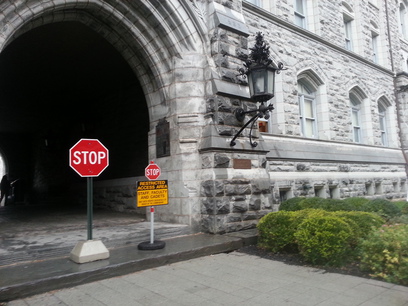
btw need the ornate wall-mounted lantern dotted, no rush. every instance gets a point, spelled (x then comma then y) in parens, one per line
(260, 71)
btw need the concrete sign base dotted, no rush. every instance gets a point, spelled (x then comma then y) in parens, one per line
(90, 250)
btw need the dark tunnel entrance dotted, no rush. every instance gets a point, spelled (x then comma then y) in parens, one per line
(59, 83)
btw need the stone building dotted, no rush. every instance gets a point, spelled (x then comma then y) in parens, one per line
(158, 80)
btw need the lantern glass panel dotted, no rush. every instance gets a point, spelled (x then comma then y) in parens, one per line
(271, 81)
(259, 81)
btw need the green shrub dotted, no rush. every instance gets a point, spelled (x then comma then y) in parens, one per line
(299, 203)
(324, 239)
(383, 207)
(315, 203)
(403, 219)
(403, 206)
(276, 230)
(355, 203)
(365, 221)
(311, 213)
(291, 204)
(384, 253)
(339, 205)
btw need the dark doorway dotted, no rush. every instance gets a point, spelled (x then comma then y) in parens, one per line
(59, 83)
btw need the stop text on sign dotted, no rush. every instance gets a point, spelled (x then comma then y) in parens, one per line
(152, 172)
(88, 157)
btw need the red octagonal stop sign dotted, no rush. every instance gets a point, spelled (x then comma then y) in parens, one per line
(88, 157)
(152, 171)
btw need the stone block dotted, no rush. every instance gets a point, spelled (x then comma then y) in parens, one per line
(261, 186)
(212, 188)
(231, 190)
(239, 206)
(254, 203)
(221, 161)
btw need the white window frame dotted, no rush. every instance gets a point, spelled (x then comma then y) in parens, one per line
(383, 121)
(348, 32)
(305, 94)
(300, 13)
(255, 2)
(355, 108)
(402, 17)
(374, 46)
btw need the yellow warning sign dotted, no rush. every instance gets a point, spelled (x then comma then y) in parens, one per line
(152, 193)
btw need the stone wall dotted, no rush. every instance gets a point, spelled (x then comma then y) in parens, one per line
(337, 180)
(238, 195)
(330, 165)
(118, 195)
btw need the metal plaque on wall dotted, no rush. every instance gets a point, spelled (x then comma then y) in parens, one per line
(162, 138)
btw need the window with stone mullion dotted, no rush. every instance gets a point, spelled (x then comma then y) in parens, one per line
(355, 120)
(348, 35)
(307, 104)
(374, 46)
(300, 13)
(383, 124)
(403, 19)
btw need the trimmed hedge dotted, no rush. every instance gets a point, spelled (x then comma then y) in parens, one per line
(383, 207)
(300, 203)
(324, 239)
(276, 230)
(403, 206)
(291, 204)
(356, 202)
(365, 221)
(312, 231)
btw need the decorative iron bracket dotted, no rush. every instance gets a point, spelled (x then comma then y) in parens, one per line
(262, 112)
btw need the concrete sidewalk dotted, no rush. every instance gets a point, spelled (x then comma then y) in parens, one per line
(36, 243)
(33, 277)
(228, 279)
(34, 259)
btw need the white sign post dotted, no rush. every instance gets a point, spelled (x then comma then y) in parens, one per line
(152, 172)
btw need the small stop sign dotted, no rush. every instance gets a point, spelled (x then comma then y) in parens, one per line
(152, 171)
(89, 157)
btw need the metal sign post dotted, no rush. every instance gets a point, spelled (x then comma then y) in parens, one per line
(89, 189)
(89, 157)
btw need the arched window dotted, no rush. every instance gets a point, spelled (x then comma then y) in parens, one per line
(314, 113)
(307, 105)
(403, 19)
(355, 107)
(375, 38)
(348, 26)
(382, 114)
(386, 128)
